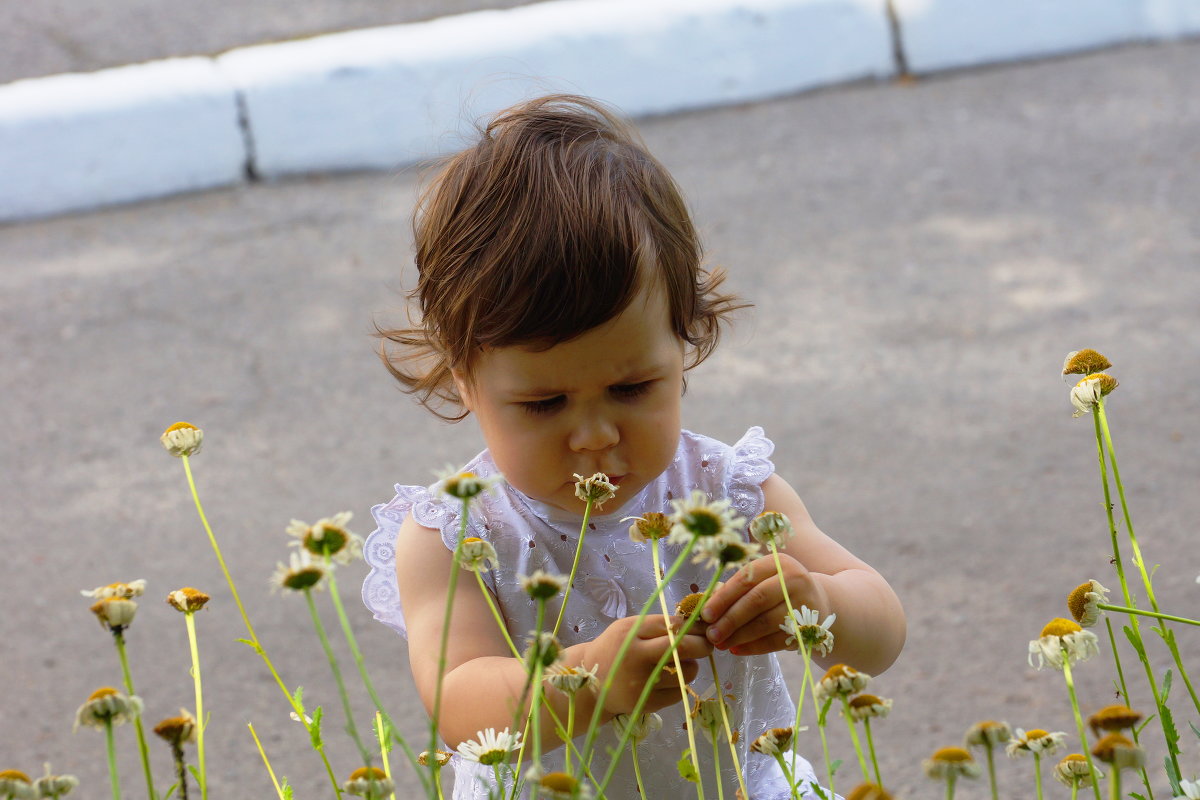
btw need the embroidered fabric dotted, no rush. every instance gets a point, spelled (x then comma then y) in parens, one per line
(614, 579)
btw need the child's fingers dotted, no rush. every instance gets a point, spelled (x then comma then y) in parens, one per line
(732, 590)
(764, 625)
(767, 644)
(655, 626)
(756, 601)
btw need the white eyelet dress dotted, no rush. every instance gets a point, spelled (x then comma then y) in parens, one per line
(614, 579)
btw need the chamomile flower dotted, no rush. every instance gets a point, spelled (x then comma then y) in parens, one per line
(107, 706)
(187, 600)
(1087, 393)
(115, 613)
(950, 762)
(687, 606)
(1118, 752)
(560, 786)
(597, 489)
(803, 625)
(1190, 789)
(645, 725)
(988, 733)
(16, 785)
(1113, 718)
(727, 551)
(649, 527)
(868, 706)
(771, 526)
(707, 708)
(440, 756)
(51, 785)
(369, 782)
(182, 439)
(869, 791)
(774, 741)
(542, 585)
(841, 680)
(696, 516)
(1082, 602)
(1084, 362)
(176, 731)
(328, 536)
(126, 590)
(490, 748)
(463, 485)
(299, 574)
(571, 679)
(544, 646)
(1035, 741)
(1073, 770)
(1062, 639)
(477, 555)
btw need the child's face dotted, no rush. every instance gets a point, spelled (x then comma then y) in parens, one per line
(607, 401)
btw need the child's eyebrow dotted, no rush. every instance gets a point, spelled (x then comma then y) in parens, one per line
(638, 375)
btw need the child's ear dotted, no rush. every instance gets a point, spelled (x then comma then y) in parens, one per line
(462, 385)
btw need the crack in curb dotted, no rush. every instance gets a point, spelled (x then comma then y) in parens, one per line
(250, 168)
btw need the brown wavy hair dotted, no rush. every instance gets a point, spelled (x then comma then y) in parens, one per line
(545, 228)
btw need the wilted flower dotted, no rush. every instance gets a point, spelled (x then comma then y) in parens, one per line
(126, 590)
(1113, 718)
(328, 537)
(107, 706)
(1190, 789)
(177, 730)
(182, 439)
(649, 527)
(1084, 362)
(50, 785)
(687, 606)
(559, 786)
(1082, 602)
(299, 574)
(571, 679)
(988, 733)
(477, 555)
(1035, 741)
(696, 516)
(1087, 393)
(463, 485)
(1073, 770)
(841, 680)
(1062, 639)
(440, 756)
(596, 489)
(869, 791)
(16, 785)
(114, 613)
(1116, 750)
(707, 708)
(542, 585)
(771, 526)
(723, 552)
(868, 706)
(187, 600)
(370, 782)
(803, 626)
(543, 644)
(774, 741)
(490, 747)
(646, 724)
(950, 762)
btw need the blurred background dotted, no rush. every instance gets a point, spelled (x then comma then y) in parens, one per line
(921, 254)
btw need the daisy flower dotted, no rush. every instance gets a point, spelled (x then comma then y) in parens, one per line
(869, 791)
(727, 551)
(115, 613)
(328, 537)
(1084, 362)
(490, 748)
(545, 645)
(988, 733)
(1035, 741)
(649, 527)
(16, 785)
(1118, 751)
(440, 756)
(542, 585)
(771, 526)
(107, 706)
(177, 731)
(1073, 770)
(775, 741)
(187, 600)
(707, 708)
(596, 489)
(300, 573)
(1191, 790)
(370, 782)
(1113, 718)
(841, 680)
(1062, 639)
(687, 606)
(696, 516)
(559, 786)
(950, 762)
(478, 555)
(1087, 393)
(50, 785)
(803, 625)
(126, 590)
(645, 725)
(182, 439)
(571, 679)
(463, 485)
(1082, 602)
(868, 706)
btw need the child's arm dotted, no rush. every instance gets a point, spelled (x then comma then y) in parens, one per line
(483, 681)
(746, 612)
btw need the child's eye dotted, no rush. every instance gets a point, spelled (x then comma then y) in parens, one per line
(545, 406)
(629, 391)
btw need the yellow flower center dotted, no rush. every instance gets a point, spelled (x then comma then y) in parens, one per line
(14, 775)
(1113, 718)
(703, 522)
(179, 426)
(1074, 757)
(864, 700)
(472, 540)
(102, 692)
(1085, 362)
(688, 604)
(868, 791)
(1036, 733)
(1107, 747)
(1060, 627)
(952, 755)
(1077, 600)
(840, 671)
(559, 782)
(368, 773)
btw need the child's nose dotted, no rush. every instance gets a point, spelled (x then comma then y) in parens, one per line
(594, 434)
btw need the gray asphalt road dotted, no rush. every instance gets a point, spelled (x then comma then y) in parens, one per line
(52, 36)
(921, 257)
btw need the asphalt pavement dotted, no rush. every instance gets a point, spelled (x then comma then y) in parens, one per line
(921, 257)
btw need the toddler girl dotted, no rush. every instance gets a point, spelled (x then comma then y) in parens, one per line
(562, 301)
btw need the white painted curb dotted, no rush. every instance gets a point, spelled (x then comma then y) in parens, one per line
(71, 142)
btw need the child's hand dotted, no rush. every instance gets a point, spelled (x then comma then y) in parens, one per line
(639, 662)
(745, 613)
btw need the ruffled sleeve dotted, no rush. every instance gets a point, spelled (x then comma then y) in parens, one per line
(749, 466)
(380, 592)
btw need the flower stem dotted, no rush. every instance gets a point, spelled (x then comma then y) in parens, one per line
(351, 728)
(587, 512)
(862, 761)
(1066, 665)
(385, 743)
(189, 619)
(1114, 784)
(822, 721)
(737, 766)
(119, 639)
(434, 767)
(950, 787)
(991, 759)
(570, 730)
(180, 770)
(787, 773)
(683, 694)
(266, 763)
(496, 615)
(875, 763)
(253, 641)
(1155, 614)
(1112, 642)
(113, 780)
(637, 771)
(1037, 773)
(716, 757)
(787, 601)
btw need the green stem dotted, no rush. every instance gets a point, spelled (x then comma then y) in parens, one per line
(716, 758)
(253, 641)
(1037, 773)
(180, 770)
(1087, 753)
(119, 639)
(587, 512)
(570, 730)
(822, 721)
(113, 780)
(737, 765)
(1114, 783)
(950, 787)
(266, 762)
(787, 773)
(444, 644)
(1112, 643)
(384, 746)
(875, 763)
(351, 728)
(496, 616)
(1155, 614)
(991, 761)
(805, 680)
(189, 618)
(637, 771)
(787, 601)
(1167, 635)
(862, 761)
(683, 694)
(535, 704)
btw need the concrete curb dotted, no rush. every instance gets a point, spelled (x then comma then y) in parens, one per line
(383, 97)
